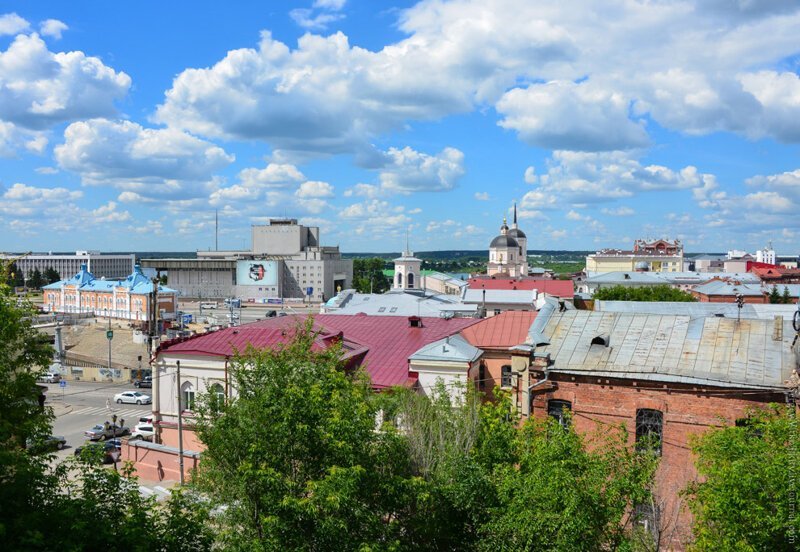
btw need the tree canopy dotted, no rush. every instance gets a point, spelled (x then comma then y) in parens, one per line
(746, 500)
(298, 461)
(647, 293)
(368, 275)
(76, 504)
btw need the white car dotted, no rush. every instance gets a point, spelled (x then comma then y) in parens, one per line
(132, 397)
(143, 432)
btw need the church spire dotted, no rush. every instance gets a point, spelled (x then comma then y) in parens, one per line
(515, 215)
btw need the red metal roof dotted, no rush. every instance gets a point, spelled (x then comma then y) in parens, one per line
(558, 288)
(388, 340)
(504, 330)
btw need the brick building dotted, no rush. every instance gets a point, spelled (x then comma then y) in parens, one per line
(664, 376)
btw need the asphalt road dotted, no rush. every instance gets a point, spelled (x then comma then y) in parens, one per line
(84, 405)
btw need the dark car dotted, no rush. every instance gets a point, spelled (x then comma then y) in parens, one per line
(108, 451)
(51, 442)
(147, 381)
(270, 314)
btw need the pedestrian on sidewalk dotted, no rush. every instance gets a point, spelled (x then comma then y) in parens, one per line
(108, 404)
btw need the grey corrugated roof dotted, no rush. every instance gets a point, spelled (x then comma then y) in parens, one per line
(697, 310)
(507, 296)
(450, 349)
(718, 287)
(399, 303)
(708, 351)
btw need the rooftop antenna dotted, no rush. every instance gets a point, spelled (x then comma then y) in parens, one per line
(216, 229)
(407, 249)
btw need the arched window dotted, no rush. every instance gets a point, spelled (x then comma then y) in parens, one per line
(399, 279)
(410, 280)
(187, 396)
(217, 394)
(556, 409)
(649, 430)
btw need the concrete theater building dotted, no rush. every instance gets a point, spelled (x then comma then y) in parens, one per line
(285, 261)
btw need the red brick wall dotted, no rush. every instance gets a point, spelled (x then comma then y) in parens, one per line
(598, 403)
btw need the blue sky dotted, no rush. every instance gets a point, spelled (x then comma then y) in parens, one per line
(125, 126)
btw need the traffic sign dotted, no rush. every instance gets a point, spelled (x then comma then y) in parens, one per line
(110, 334)
(62, 383)
(309, 291)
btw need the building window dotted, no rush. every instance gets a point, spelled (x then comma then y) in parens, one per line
(649, 430)
(646, 515)
(410, 280)
(399, 279)
(481, 375)
(505, 376)
(557, 409)
(187, 396)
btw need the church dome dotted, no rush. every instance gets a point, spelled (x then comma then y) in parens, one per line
(517, 233)
(504, 240)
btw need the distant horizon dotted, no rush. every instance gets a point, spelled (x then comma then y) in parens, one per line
(476, 252)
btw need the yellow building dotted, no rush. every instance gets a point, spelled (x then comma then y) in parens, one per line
(652, 256)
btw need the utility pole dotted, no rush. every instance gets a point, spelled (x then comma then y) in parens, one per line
(109, 335)
(180, 421)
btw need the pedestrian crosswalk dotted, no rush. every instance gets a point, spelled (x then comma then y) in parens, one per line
(103, 411)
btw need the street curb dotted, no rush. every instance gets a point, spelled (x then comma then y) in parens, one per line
(61, 409)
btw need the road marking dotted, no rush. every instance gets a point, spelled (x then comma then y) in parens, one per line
(102, 411)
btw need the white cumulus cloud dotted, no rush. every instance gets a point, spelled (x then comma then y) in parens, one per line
(52, 27)
(165, 163)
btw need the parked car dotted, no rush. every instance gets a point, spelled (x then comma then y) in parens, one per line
(143, 432)
(50, 377)
(110, 450)
(51, 442)
(144, 420)
(147, 381)
(270, 314)
(132, 397)
(102, 431)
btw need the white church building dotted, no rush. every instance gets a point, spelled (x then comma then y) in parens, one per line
(508, 252)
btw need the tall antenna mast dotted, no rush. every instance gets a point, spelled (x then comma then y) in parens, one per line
(407, 249)
(216, 229)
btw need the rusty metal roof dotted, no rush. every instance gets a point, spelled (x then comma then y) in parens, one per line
(672, 348)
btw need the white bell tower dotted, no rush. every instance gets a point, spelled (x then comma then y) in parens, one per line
(407, 270)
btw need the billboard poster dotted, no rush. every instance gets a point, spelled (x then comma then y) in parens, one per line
(257, 273)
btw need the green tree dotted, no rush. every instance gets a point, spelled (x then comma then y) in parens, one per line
(23, 356)
(774, 296)
(368, 275)
(78, 505)
(51, 275)
(786, 298)
(35, 279)
(647, 293)
(559, 495)
(295, 456)
(747, 498)
(13, 276)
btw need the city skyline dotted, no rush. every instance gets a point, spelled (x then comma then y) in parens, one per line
(126, 127)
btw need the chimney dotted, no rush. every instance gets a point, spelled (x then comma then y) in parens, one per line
(414, 322)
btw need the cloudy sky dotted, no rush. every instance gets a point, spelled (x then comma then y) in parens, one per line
(124, 126)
